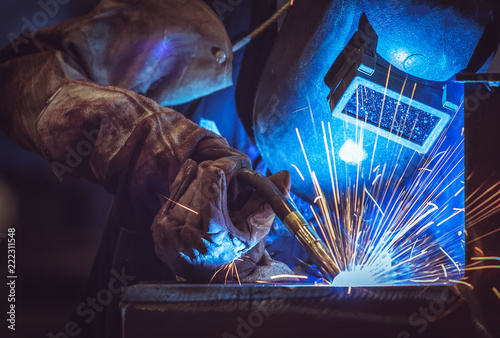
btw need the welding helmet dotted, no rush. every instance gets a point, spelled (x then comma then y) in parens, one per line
(325, 52)
(358, 102)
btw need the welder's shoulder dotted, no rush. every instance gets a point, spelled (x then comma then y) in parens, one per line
(29, 78)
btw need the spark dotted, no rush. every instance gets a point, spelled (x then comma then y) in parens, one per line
(483, 206)
(349, 290)
(482, 267)
(433, 205)
(376, 177)
(237, 274)
(485, 258)
(231, 268)
(479, 251)
(459, 191)
(300, 174)
(295, 111)
(496, 292)
(382, 110)
(444, 271)
(215, 274)
(303, 149)
(312, 115)
(446, 219)
(451, 259)
(182, 206)
(397, 106)
(461, 282)
(378, 206)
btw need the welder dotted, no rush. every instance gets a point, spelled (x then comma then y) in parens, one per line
(77, 93)
(91, 95)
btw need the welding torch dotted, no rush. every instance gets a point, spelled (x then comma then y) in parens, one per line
(293, 221)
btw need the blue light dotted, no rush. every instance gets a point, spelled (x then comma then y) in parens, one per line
(209, 125)
(359, 277)
(352, 152)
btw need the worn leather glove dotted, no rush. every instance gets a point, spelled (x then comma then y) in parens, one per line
(211, 227)
(69, 93)
(140, 152)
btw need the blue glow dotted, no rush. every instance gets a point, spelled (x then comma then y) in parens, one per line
(406, 198)
(209, 125)
(161, 50)
(352, 152)
(367, 275)
(393, 218)
(358, 277)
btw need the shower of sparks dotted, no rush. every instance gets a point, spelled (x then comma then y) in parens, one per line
(384, 257)
(230, 268)
(181, 205)
(483, 203)
(387, 228)
(444, 271)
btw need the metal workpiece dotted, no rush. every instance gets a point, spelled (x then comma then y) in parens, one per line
(278, 310)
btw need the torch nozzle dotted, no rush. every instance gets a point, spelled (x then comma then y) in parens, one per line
(293, 221)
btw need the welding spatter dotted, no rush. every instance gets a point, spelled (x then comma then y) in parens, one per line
(293, 221)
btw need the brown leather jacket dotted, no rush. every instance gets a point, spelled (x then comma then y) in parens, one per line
(72, 93)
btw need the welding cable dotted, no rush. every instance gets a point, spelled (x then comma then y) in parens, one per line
(246, 40)
(293, 221)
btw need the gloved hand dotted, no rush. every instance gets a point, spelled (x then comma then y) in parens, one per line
(210, 221)
(141, 152)
(64, 94)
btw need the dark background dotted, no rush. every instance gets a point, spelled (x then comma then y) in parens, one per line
(59, 225)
